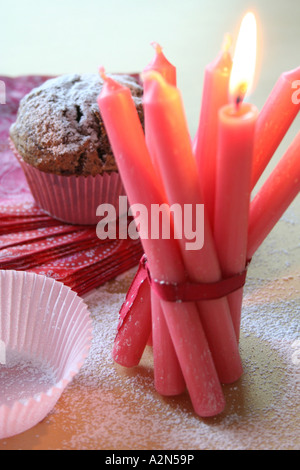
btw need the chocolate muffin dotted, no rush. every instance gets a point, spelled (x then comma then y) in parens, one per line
(59, 129)
(62, 146)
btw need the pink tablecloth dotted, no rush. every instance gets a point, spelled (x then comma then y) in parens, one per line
(32, 241)
(13, 186)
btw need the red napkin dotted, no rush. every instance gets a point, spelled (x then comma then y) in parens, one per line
(31, 240)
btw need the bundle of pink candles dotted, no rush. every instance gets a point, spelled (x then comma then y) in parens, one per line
(185, 302)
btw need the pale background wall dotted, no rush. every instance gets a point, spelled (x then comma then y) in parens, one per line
(62, 36)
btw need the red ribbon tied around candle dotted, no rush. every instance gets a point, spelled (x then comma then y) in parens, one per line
(180, 292)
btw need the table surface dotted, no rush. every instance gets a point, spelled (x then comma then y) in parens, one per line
(106, 406)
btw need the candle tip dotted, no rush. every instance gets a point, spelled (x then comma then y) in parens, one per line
(157, 47)
(102, 73)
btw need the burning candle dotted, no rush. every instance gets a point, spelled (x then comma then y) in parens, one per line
(273, 121)
(214, 96)
(234, 163)
(274, 197)
(167, 124)
(128, 143)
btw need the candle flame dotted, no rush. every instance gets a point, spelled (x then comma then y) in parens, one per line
(244, 60)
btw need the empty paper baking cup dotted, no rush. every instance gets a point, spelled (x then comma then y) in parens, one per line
(45, 336)
(72, 199)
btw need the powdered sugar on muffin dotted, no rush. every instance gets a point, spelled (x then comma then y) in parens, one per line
(59, 128)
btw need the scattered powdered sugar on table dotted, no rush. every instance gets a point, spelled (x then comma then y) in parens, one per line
(110, 407)
(22, 377)
(123, 411)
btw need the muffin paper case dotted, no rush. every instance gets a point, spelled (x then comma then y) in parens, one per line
(72, 199)
(45, 336)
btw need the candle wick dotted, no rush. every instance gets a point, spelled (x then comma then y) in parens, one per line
(241, 92)
(238, 101)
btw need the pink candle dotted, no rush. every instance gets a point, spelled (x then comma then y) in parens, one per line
(274, 197)
(161, 342)
(168, 378)
(234, 163)
(214, 96)
(128, 143)
(167, 124)
(274, 120)
(236, 133)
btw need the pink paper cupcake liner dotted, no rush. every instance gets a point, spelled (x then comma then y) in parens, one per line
(45, 336)
(72, 199)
